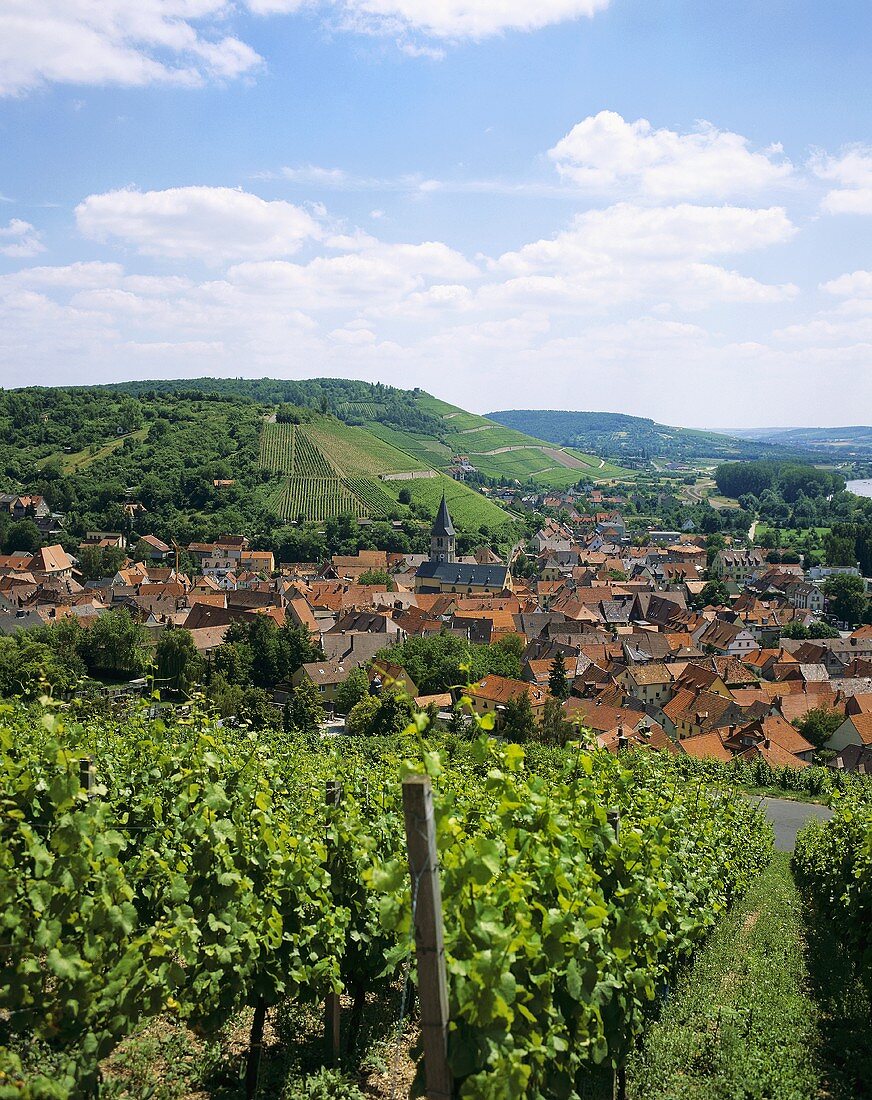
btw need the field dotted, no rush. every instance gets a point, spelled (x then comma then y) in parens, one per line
(468, 508)
(423, 448)
(356, 452)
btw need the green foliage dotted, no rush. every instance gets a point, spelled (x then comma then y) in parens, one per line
(377, 576)
(800, 632)
(517, 722)
(208, 873)
(833, 866)
(351, 690)
(23, 535)
(96, 562)
(713, 593)
(304, 710)
(114, 643)
(819, 724)
(178, 665)
(558, 681)
(380, 715)
(436, 663)
(846, 597)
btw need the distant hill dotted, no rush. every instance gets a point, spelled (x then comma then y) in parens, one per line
(856, 439)
(622, 437)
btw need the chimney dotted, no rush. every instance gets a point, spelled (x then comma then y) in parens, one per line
(767, 743)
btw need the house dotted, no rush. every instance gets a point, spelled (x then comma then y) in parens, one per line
(727, 638)
(737, 565)
(152, 548)
(491, 693)
(327, 677)
(384, 674)
(855, 730)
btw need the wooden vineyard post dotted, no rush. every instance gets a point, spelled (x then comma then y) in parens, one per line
(332, 1006)
(429, 936)
(620, 1079)
(86, 775)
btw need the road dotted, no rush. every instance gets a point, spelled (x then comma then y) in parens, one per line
(788, 817)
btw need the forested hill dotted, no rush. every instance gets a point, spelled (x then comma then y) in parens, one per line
(622, 437)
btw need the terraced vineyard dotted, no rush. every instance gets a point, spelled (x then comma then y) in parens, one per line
(371, 494)
(315, 499)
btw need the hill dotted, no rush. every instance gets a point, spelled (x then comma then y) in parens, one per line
(622, 437)
(847, 441)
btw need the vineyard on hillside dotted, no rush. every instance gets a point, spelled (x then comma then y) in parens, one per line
(188, 871)
(311, 485)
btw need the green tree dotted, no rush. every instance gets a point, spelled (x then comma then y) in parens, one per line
(351, 691)
(377, 576)
(178, 664)
(305, 711)
(846, 597)
(359, 720)
(98, 561)
(114, 643)
(819, 724)
(558, 681)
(555, 728)
(23, 535)
(714, 593)
(518, 721)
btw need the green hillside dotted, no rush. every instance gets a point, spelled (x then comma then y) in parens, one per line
(621, 437)
(497, 451)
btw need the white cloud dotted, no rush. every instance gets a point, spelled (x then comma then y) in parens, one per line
(667, 232)
(857, 284)
(206, 223)
(117, 42)
(447, 19)
(604, 152)
(19, 239)
(852, 171)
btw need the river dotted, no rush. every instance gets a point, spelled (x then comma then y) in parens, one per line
(860, 488)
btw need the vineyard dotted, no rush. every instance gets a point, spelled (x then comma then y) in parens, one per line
(315, 499)
(188, 871)
(371, 494)
(833, 867)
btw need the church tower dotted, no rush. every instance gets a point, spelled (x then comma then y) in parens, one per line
(442, 539)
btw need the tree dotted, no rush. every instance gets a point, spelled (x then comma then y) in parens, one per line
(377, 576)
(178, 664)
(360, 718)
(715, 594)
(819, 724)
(555, 728)
(23, 535)
(800, 632)
(518, 721)
(115, 643)
(305, 711)
(558, 681)
(405, 496)
(97, 561)
(846, 597)
(351, 691)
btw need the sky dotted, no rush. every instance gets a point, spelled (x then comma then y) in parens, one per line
(658, 208)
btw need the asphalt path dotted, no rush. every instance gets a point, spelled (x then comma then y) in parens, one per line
(788, 817)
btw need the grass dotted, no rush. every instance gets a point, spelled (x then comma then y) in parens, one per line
(80, 460)
(761, 1014)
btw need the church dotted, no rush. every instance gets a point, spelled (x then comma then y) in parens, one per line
(444, 573)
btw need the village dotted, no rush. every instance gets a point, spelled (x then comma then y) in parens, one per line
(664, 643)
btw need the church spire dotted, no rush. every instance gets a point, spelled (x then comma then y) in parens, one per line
(442, 538)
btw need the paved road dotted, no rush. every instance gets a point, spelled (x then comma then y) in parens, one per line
(788, 817)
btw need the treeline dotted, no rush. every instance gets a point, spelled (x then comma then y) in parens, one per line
(788, 480)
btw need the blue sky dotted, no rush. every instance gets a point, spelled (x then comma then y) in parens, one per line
(663, 209)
